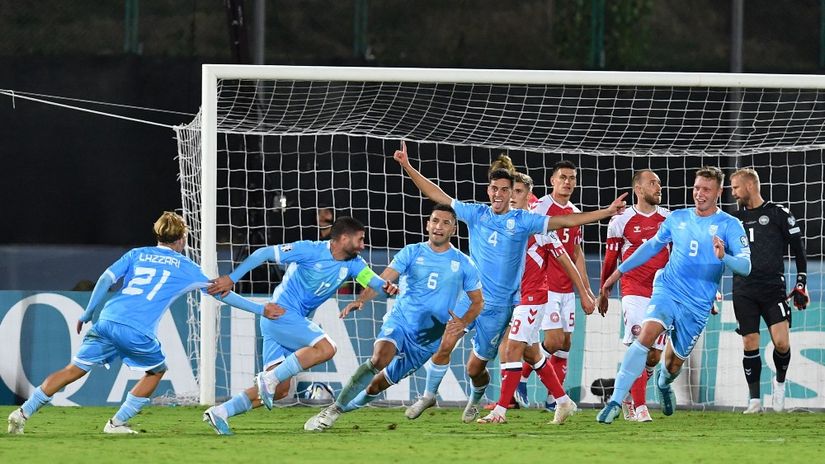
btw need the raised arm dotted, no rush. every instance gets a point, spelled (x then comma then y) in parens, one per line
(427, 187)
(577, 219)
(269, 310)
(223, 284)
(389, 276)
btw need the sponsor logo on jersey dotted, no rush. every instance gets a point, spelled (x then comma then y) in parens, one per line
(511, 224)
(318, 265)
(743, 240)
(637, 229)
(682, 225)
(342, 273)
(286, 247)
(454, 266)
(419, 260)
(791, 220)
(713, 229)
(764, 220)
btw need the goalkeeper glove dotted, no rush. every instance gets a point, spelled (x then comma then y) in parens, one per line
(800, 293)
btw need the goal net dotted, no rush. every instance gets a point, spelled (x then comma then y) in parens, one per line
(275, 147)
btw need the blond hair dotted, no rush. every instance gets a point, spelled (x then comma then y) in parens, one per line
(503, 162)
(170, 227)
(712, 173)
(748, 173)
(524, 179)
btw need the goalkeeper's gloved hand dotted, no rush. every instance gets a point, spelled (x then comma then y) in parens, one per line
(800, 292)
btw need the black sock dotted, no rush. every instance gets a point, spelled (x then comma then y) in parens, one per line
(752, 364)
(781, 361)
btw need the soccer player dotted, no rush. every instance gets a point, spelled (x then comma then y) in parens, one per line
(559, 321)
(315, 270)
(435, 274)
(704, 241)
(521, 342)
(625, 234)
(153, 277)
(770, 229)
(498, 240)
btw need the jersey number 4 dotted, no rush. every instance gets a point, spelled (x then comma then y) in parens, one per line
(143, 277)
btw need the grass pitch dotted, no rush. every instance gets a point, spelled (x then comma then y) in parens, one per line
(376, 435)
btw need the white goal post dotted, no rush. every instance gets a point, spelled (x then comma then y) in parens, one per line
(609, 123)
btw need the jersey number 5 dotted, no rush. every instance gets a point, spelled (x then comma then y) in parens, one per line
(143, 277)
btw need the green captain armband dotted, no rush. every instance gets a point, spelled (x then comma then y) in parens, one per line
(368, 278)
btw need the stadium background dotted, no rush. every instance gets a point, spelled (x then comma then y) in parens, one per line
(77, 181)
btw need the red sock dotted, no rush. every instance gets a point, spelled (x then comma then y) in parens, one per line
(550, 380)
(510, 377)
(637, 391)
(526, 369)
(560, 366)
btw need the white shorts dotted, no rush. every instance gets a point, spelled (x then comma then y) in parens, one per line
(634, 308)
(560, 312)
(525, 326)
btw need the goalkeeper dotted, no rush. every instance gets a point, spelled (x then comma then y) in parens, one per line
(770, 228)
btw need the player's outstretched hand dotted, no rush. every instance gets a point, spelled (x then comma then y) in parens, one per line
(390, 288)
(602, 301)
(799, 294)
(401, 155)
(273, 311)
(220, 286)
(618, 206)
(718, 247)
(354, 306)
(455, 326)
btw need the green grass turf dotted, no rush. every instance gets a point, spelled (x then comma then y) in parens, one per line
(376, 435)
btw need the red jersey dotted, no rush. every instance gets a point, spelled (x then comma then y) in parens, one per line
(558, 280)
(625, 234)
(540, 250)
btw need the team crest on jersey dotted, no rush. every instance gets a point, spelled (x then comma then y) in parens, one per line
(555, 317)
(682, 225)
(342, 273)
(454, 266)
(318, 265)
(636, 330)
(511, 224)
(419, 260)
(743, 240)
(286, 247)
(791, 221)
(764, 220)
(713, 229)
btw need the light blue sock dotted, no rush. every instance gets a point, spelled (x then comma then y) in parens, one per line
(666, 378)
(632, 366)
(358, 382)
(288, 368)
(359, 401)
(477, 394)
(35, 402)
(238, 404)
(435, 374)
(129, 408)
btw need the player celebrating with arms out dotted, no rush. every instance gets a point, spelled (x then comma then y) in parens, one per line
(498, 239)
(521, 342)
(625, 234)
(436, 273)
(770, 229)
(153, 278)
(293, 343)
(705, 240)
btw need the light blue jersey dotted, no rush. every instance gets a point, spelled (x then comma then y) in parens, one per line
(153, 277)
(693, 271)
(430, 285)
(312, 275)
(498, 245)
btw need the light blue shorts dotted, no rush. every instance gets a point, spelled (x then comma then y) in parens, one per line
(107, 341)
(489, 325)
(683, 323)
(286, 335)
(410, 355)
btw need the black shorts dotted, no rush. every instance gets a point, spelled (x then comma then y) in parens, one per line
(752, 302)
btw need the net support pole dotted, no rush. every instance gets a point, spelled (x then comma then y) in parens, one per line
(208, 252)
